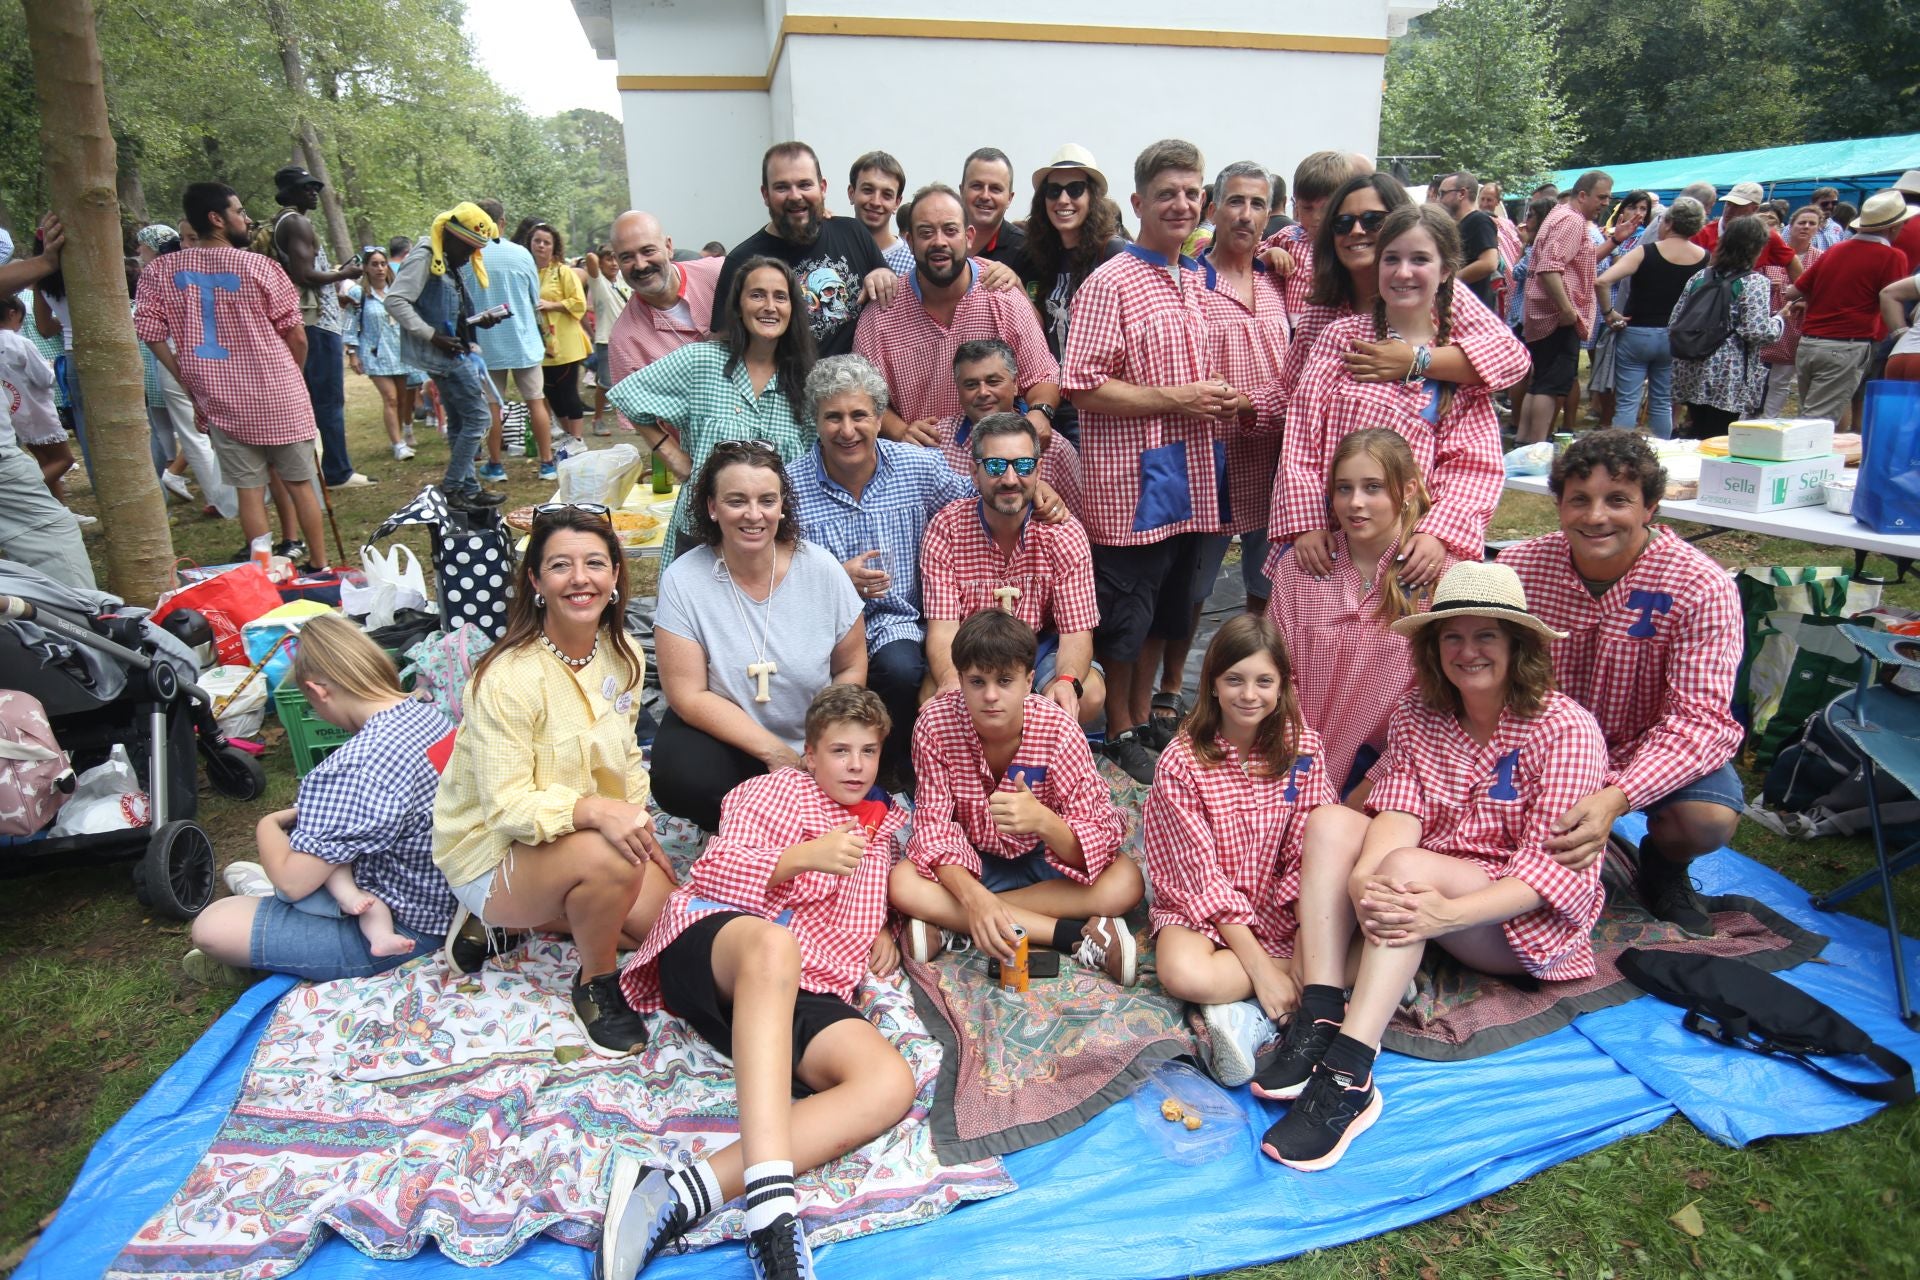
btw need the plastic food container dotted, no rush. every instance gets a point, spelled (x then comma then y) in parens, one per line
(1840, 494)
(1223, 1126)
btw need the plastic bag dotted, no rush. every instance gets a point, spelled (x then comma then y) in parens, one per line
(34, 778)
(230, 600)
(265, 631)
(1887, 498)
(1531, 459)
(603, 475)
(107, 798)
(395, 581)
(1222, 1127)
(239, 703)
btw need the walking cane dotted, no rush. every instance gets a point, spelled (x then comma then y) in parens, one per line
(326, 496)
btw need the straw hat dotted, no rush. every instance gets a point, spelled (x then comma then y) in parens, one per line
(1480, 590)
(1909, 182)
(1073, 156)
(1883, 211)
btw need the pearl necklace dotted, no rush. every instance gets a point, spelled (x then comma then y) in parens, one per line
(575, 664)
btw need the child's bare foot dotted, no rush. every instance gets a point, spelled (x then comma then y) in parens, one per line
(388, 943)
(355, 901)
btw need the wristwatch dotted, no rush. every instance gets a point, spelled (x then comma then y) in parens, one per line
(1079, 690)
(1046, 409)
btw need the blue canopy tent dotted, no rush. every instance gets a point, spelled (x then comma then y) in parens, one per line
(1857, 168)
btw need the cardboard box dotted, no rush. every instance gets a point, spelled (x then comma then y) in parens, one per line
(1780, 439)
(1742, 484)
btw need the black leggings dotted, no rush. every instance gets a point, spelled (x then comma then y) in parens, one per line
(1705, 421)
(693, 771)
(563, 390)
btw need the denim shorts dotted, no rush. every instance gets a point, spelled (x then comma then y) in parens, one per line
(289, 940)
(1721, 787)
(1047, 660)
(999, 875)
(473, 894)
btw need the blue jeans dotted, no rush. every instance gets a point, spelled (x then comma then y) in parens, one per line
(326, 375)
(894, 671)
(1643, 359)
(301, 939)
(465, 400)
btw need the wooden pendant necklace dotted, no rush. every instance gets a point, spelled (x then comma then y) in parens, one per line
(760, 669)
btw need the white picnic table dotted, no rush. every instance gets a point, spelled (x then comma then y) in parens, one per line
(1801, 524)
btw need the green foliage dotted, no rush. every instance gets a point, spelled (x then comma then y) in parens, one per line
(1861, 66)
(1474, 84)
(408, 122)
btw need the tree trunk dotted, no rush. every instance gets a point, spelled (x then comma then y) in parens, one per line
(216, 162)
(78, 145)
(306, 138)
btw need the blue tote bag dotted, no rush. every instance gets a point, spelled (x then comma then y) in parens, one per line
(1888, 497)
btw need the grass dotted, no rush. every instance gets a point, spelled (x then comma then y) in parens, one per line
(97, 1011)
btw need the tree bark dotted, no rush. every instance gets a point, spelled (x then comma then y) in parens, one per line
(77, 141)
(306, 138)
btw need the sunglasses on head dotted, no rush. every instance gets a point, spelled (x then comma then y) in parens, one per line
(551, 510)
(1369, 221)
(997, 467)
(1071, 190)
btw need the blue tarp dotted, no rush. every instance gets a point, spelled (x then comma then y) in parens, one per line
(1098, 1202)
(1855, 166)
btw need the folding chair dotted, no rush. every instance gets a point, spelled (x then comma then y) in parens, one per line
(1885, 729)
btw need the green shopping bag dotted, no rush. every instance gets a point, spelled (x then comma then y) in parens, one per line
(1793, 662)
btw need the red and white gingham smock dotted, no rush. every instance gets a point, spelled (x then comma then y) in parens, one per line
(224, 310)
(1349, 670)
(1248, 347)
(915, 354)
(1494, 805)
(951, 824)
(1458, 451)
(1148, 478)
(834, 918)
(961, 566)
(1653, 659)
(1561, 245)
(1223, 842)
(1059, 465)
(1299, 246)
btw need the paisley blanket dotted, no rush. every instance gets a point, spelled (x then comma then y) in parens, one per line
(387, 1110)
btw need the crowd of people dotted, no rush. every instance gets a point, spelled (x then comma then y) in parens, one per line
(954, 490)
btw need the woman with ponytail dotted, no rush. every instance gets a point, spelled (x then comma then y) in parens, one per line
(1449, 424)
(1350, 670)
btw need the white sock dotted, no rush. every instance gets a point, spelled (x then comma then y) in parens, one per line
(770, 1193)
(696, 1188)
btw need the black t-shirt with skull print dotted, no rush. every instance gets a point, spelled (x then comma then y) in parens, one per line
(830, 271)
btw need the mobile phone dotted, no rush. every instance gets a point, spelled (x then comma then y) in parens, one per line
(1041, 963)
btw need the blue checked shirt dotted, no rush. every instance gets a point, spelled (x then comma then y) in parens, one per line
(369, 805)
(909, 487)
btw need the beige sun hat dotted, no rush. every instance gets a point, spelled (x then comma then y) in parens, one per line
(1482, 590)
(1073, 156)
(1909, 182)
(1745, 193)
(1883, 211)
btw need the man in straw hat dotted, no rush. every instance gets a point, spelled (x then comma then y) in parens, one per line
(1842, 294)
(430, 303)
(1478, 757)
(1907, 241)
(1653, 640)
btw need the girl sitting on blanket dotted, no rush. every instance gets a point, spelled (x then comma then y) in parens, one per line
(1480, 760)
(543, 822)
(761, 950)
(1350, 669)
(1223, 826)
(345, 885)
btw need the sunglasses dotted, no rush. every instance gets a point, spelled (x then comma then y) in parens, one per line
(997, 467)
(1369, 221)
(1071, 190)
(743, 447)
(1826, 204)
(551, 510)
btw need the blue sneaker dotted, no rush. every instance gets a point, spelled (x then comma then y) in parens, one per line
(493, 471)
(548, 471)
(778, 1251)
(643, 1217)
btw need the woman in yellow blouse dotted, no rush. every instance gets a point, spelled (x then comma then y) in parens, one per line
(541, 821)
(563, 301)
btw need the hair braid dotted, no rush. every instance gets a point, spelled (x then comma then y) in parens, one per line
(1380, 319)
(1443, 330)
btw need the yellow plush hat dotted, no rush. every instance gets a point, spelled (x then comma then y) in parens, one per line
(466, 222)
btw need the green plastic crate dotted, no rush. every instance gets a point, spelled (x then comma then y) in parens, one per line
(311, 738)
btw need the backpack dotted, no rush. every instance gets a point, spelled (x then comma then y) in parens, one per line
(1705, 319)
(1818, 786)
(35, 779)
(266, 238)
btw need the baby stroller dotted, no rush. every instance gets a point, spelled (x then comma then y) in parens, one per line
(107, 681)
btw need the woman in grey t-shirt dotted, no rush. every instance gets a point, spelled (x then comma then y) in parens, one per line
(750, 627)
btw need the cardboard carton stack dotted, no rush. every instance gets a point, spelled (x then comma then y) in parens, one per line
(1774, 464)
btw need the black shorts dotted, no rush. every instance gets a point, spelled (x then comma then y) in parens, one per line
(688, 991)
(1143, 591)
(1556, 362)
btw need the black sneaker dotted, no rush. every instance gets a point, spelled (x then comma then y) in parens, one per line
(778, 1251)
(1159, 732)
(474, 499)
(613, 1028)
(1333, 1110)
(1130, 752)
(1669, 894)
(292, 548)
(1303, 1043)
(470, 944)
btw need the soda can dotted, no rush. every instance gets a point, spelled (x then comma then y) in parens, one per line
(1561, 439)
(1015, 977)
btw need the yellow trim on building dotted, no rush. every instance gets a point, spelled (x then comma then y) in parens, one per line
(1043, 32)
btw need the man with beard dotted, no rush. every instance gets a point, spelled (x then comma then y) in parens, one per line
(298, 249)
(834, 259)
(913, 341)
(672, 302)
(226, 324)
(986, 377)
